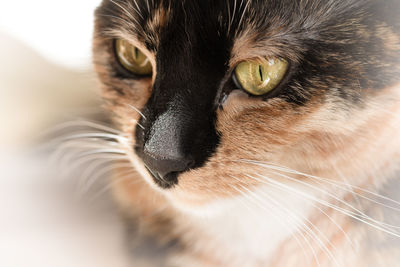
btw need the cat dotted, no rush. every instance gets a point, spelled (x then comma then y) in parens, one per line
(263, 132)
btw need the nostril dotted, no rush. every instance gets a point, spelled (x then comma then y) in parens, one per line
(165, 171)
(167, 181)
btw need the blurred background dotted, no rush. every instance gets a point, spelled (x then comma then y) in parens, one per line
(45, 78)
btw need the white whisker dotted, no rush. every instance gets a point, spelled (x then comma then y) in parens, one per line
(67, 157)
(121, 139)
(135, 121)
(331, 182)
(84, 187)
(254, 200)
(81, 123)
(345, 212)
(113, 183)
(357, 211)
(329, 218)
(88, 173)
(103, 151)
(304, 219)
(138, 111)
(81, 144)
(80, 161)
(347, 184)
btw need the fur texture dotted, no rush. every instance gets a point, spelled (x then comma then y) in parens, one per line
(281, 180)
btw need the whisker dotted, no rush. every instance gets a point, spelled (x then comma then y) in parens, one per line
(254, 201)
(97, 135)
(135, 121)
(358, 212)
(80, 161)
(329, 181)
(100, 138)
(138, 111)
(80, 123)
(87, 145)
(113, 183)
(79, 145)
(103, 151)
(87, 172)
(345, 212)
(300, 219)
(84, 187)
(349, 188)
(84, 138)
(329, 218)
(155, 175)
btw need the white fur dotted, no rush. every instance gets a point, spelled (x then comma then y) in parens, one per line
(251, 229)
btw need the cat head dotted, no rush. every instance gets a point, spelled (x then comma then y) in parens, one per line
(221, 97)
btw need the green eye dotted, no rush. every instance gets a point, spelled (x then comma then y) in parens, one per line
(260, 77)
(132, 59)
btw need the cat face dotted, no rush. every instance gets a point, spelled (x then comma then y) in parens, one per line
(200, 131)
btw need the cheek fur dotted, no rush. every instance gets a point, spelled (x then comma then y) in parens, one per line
(250, 130)
(311, 139)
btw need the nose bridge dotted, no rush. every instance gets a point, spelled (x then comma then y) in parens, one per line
(179, 132)
(181, 111)
(164, 136)
(182, 99)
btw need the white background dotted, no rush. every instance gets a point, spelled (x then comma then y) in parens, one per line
(45, 51)
(59, 29)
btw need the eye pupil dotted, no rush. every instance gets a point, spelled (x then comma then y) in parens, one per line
(136, 53)
(261, 73)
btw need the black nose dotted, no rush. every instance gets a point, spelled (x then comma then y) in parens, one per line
(171, 138)
(165, 171)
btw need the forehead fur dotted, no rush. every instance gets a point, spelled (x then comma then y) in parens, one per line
(334, 38)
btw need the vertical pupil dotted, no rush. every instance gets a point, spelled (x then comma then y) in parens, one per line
(260, 72)
(136, 50)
